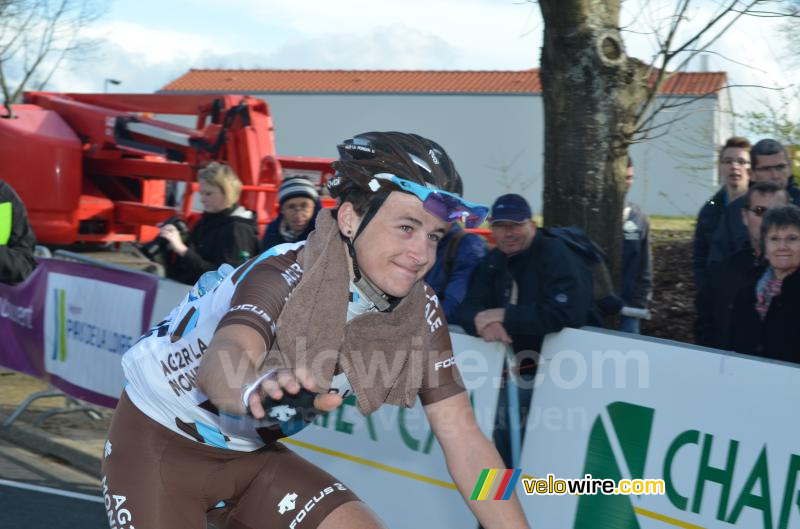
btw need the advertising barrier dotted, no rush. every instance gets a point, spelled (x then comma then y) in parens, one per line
(717, 428)
(610, 412)
(69, 324)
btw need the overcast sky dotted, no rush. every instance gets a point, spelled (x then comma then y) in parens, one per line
(147, 43)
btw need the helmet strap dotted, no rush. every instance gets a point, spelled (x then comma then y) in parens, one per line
(374, 206)
(381, 301)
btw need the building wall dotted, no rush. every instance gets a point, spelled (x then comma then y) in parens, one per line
(497, 141)
(676, 169)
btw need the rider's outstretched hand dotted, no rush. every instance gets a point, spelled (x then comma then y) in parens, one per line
(291, 387)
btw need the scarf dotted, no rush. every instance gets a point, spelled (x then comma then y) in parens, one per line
(767, 288)
(382, 353)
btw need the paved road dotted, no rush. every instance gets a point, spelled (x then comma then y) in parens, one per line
(40, 493)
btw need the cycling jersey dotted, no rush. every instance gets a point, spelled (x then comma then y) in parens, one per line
(161, 368)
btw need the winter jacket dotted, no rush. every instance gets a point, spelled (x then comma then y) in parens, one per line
(553, 290)
(637, 263)
(468, 254)
(777, 336)
(731, 234)
(17, 240)
(707, 221)
(273, 236)
(714, 301)
(230, 236)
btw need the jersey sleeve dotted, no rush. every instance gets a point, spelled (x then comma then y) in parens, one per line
(441, 378)
(261, 293)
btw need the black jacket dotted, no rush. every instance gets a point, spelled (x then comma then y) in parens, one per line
(16, 252)
(731, 234)
(714, 301)
(707, 221)
(554, 291)
(230, 236)
(273, 237)
(637, 262)
(777, 336)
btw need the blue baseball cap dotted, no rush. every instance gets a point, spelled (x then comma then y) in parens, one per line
(511, 208)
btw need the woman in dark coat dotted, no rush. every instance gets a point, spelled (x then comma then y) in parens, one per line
(226, 233)
(766, 314)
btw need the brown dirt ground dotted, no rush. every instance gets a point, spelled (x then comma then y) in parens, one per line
(673, 289)
(15, 387)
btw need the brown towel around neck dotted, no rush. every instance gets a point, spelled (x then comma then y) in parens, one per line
(381, 353)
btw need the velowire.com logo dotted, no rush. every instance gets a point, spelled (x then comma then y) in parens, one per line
(495, 484)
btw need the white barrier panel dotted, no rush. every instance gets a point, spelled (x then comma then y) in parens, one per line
(88, 326)
(391, 458)
(720, 429)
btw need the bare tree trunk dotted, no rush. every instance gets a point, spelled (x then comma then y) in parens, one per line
(592, 91)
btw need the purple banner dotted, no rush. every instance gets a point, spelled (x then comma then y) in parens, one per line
(69, 324)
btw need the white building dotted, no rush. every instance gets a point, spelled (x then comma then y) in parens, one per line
(490, 122)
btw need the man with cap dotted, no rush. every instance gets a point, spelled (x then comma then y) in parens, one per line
(299, 205)
(528, 286)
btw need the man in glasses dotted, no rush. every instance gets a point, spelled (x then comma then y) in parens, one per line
(734, 174)
(770, 163)
(530, 285)
(715, 298)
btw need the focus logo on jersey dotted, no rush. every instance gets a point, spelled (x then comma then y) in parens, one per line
(310, 504)
(444, 363)
(247, 307)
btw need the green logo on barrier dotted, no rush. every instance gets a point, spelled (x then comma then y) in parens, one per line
(631, 426)
(60, 334)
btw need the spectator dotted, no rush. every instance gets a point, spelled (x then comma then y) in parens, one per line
(457, 255)
(17, 240)
(764, 320)
(770, 163)
(226, 232)
(715, 299)
(637, 266)
(299, 205)
(528, 286)
(734, 173)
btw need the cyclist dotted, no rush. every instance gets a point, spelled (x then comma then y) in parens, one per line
(212, 388)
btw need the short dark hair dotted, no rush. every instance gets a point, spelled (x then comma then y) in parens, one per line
(780, 217)
(763, 188)
(360, 198)
(766, 147)
(735, 142)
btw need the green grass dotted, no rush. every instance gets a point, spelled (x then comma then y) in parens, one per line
(659, 223)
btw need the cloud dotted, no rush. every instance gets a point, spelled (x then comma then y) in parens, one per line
(395, 47)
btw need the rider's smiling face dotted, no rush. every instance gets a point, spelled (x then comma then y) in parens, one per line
(398, 246)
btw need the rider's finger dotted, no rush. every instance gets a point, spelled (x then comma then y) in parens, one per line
(305, 378)
(327, 402)
(288, 381)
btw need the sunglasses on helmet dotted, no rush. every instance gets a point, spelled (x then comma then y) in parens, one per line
(442, 204)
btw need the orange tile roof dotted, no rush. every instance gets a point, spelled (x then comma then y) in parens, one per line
(401, 81)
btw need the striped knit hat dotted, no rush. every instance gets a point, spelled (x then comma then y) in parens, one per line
(297, 186)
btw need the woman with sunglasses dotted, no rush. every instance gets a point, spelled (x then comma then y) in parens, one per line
(764, 319)
(291, 332)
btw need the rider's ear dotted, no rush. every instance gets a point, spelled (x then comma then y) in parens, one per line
(347, 219)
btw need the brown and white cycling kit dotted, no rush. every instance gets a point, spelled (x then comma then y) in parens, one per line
(172, 458)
